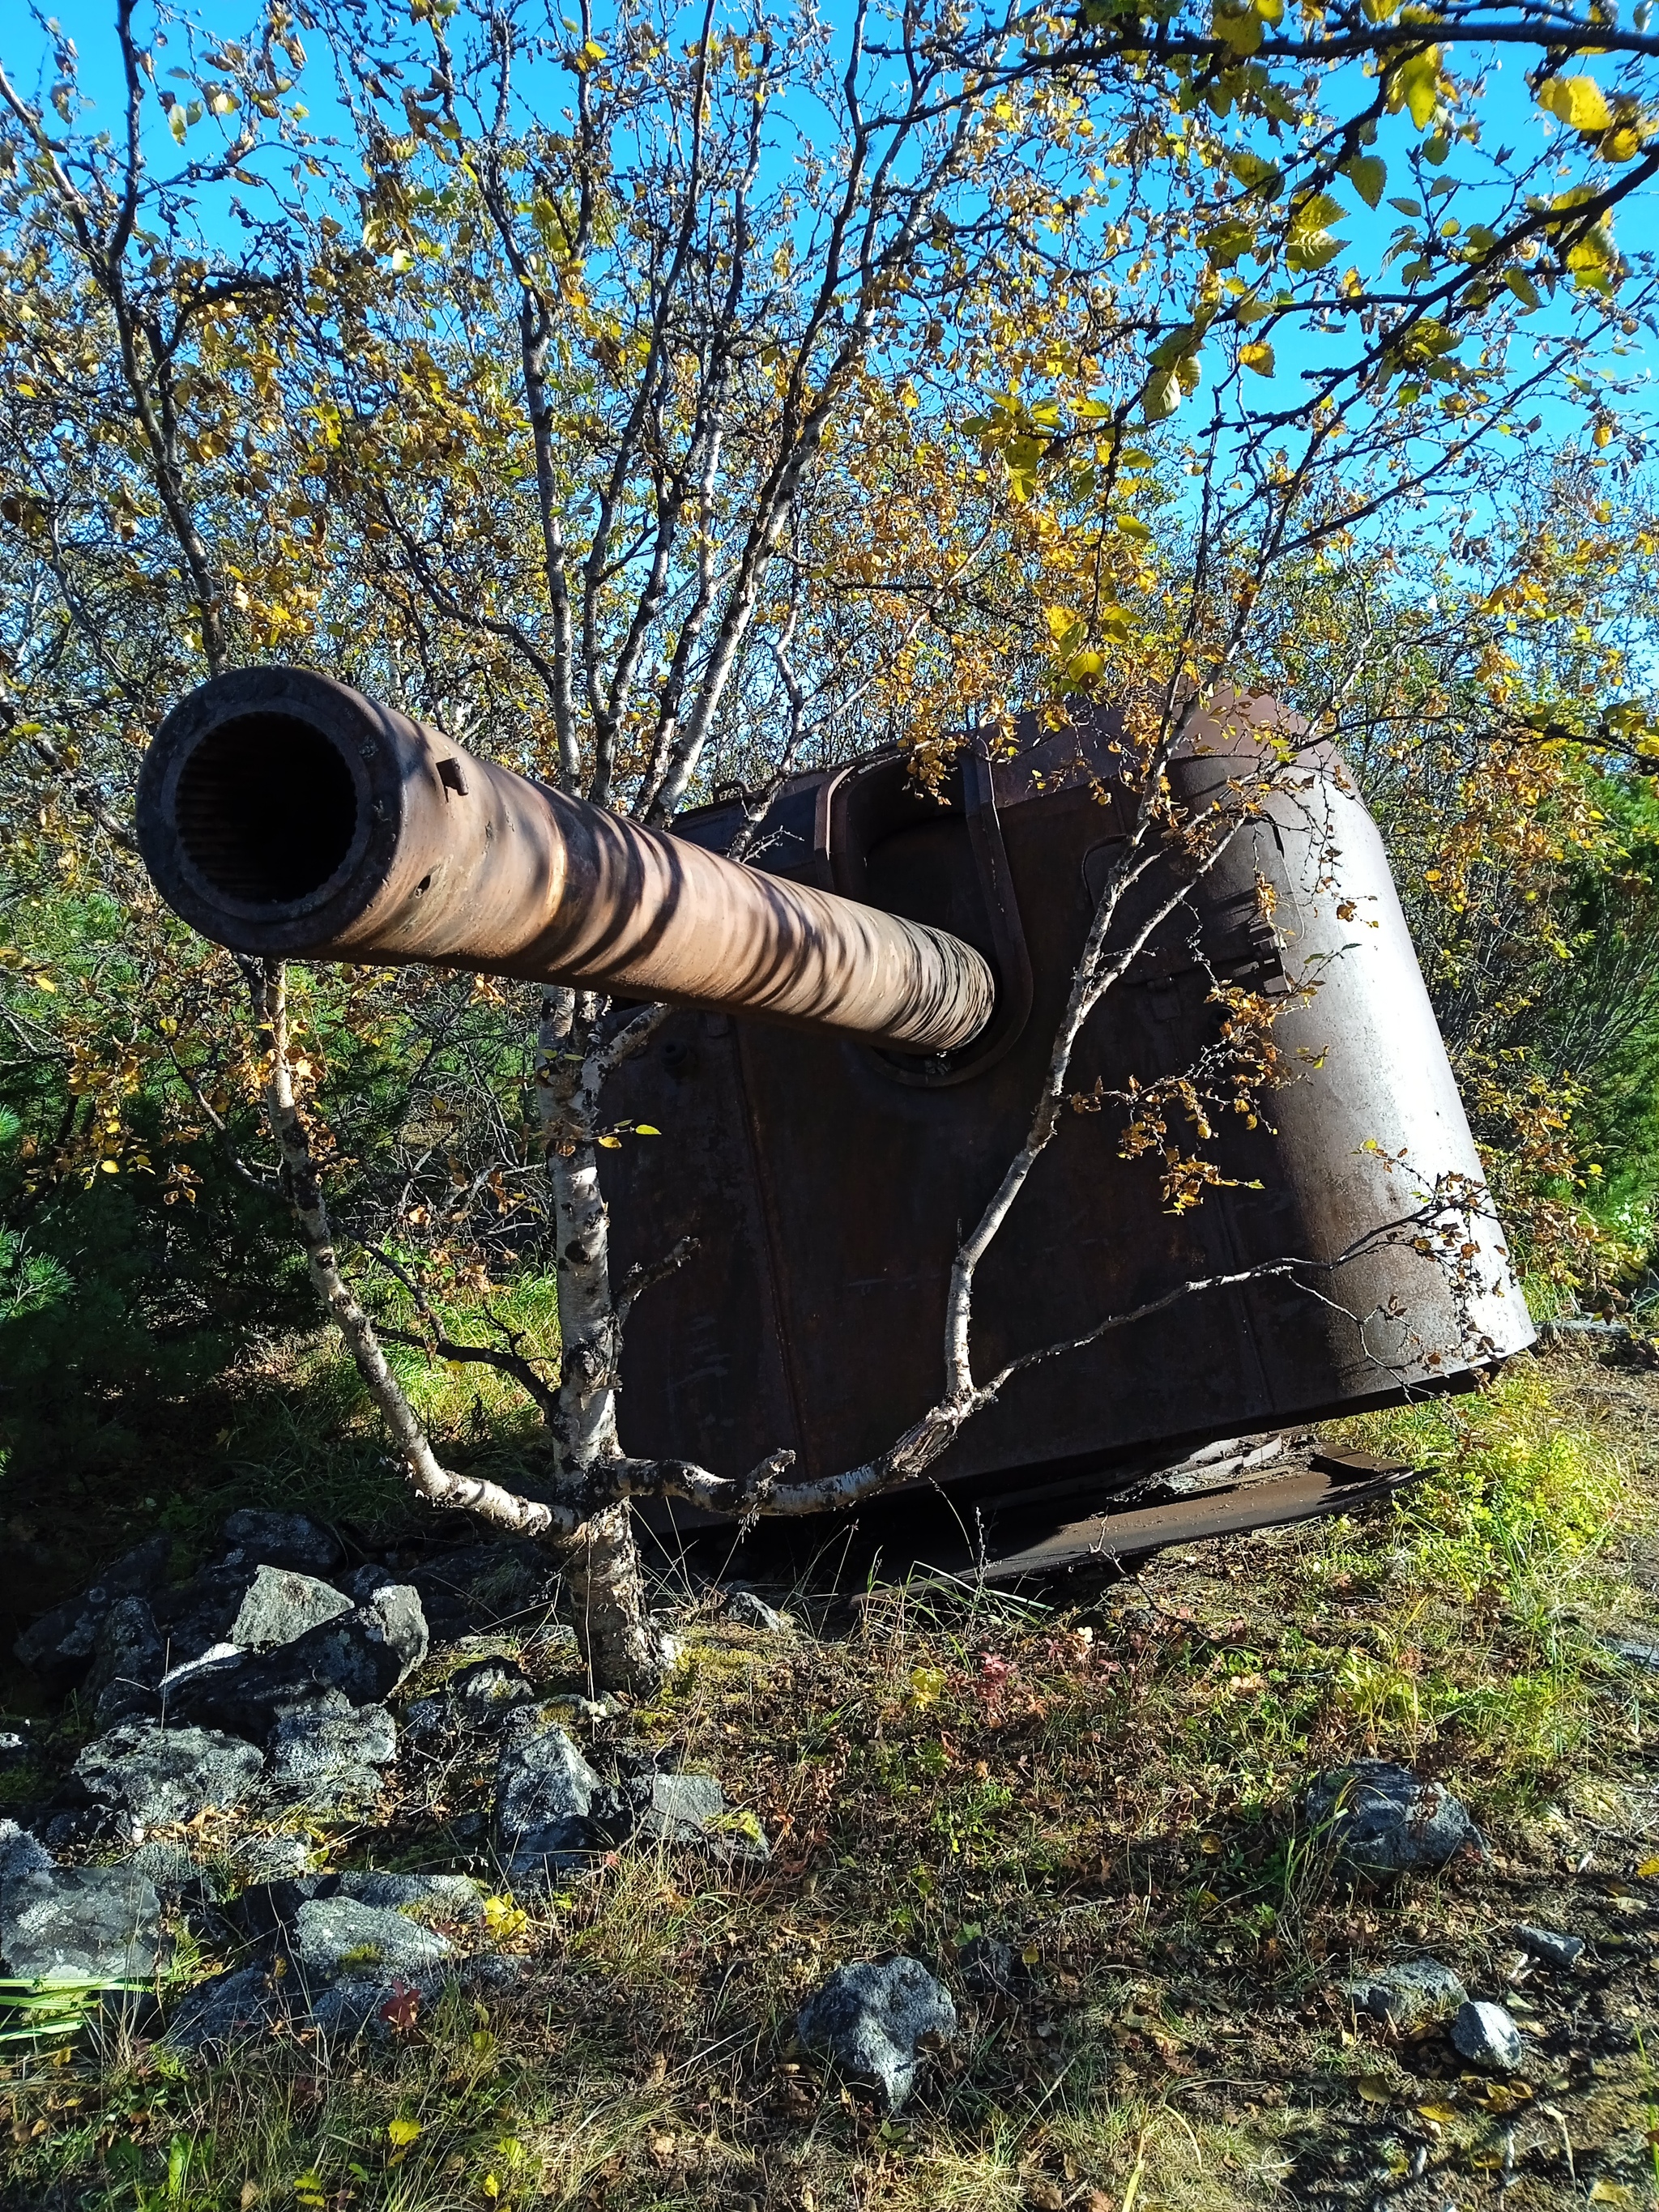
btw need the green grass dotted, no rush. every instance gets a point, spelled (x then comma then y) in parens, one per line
(1114, 1791)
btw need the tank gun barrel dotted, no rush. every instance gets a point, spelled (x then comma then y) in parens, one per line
(285, 815)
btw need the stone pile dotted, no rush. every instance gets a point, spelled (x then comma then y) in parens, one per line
(267, 1684)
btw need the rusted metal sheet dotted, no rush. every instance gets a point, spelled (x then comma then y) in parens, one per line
(282, 813)
(867, 1166)
(1332, 1484)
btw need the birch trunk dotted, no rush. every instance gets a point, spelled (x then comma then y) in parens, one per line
(622, 1646)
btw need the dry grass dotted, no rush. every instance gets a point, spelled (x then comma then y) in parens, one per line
(1113, 1791)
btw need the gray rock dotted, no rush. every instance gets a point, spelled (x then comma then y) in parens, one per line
(363, 1582)
(363, 1654)
(1408, 1996)
(1549, 1945)
(337, 1938)
(550, 1807)
(1487, 2036)
(156, 1776)
(1635, 1651)
(436, 1896)
(1385, 1820)
(198, 1615)
(269, 1858)
(327, 1753)
(676, 1807)
(21, 1853)
(169, 1864)
(128, 1661)
(279, 1540)
(217, 1658)
(749, 1610)
(872, 2016)
(231, 2008)
(15, 1749)
(80, 1924)
(280, 1604)
(481, 1696)
(60, 1644)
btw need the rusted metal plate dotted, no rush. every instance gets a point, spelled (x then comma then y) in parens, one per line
(1102, 1539)
(867, 1169)
(282, 813)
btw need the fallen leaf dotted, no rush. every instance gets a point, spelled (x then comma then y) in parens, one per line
(402, 2131)
(1648, 1868)
(1374, 2089)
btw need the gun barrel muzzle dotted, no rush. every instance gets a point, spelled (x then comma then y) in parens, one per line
(283, 814)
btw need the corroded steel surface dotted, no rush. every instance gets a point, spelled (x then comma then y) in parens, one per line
(827, 1183)
(282, 813)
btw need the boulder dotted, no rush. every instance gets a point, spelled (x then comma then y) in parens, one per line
(1549, 1945)
(198, 1615)
(1385, 1820)
(80, 1924)
(328, 1752)
(747, 1610)
(1486, 2035)
(363, 1654)
(230, 2008)
(280, 1605)
(1408, 1995)
(551, 1808)
(479, 1696)
(279, 1540)
(872, 2018)
(337, 1938)
(691, 1808)
(59, 1646)
(155, 1776)
(15, 1749)
(128, 1661)
(21, 1853)
(424, 1896)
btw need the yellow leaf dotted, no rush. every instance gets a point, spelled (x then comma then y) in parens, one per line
(610, 1143)
(1260, 358)
(1374, 2089)
(110, 1167)
(1368, 173)
(402, 2131)
(45, 983)
(645, 1129)
(1578, 101)
(1623, 144)
(1061, 622)
(492, 2188)
(1438, 2116)
(1604, 2191)
(1415, 86)
(176, 122)
(1522, 287)
(1648, 1868)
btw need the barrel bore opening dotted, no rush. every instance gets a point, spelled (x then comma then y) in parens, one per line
(266, 809)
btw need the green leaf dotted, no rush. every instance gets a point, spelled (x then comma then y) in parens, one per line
(1367, 174)
(1406, 207)
(1523, 286)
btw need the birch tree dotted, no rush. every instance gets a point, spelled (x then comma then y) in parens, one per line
(653, 398)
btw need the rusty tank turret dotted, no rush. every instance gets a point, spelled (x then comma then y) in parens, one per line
(866, 1013)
